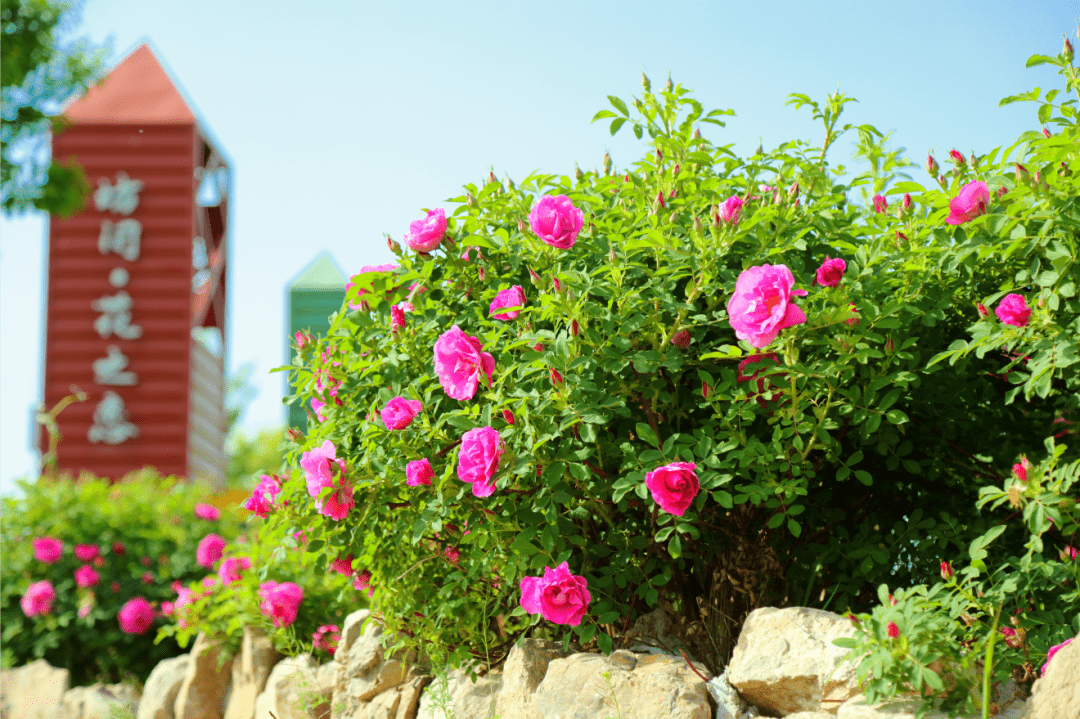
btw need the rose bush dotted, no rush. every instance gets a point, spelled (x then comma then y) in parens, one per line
(108, 544)
(857, 466)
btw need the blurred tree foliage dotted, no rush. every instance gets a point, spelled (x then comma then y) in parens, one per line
(39, 71)
(248, 455)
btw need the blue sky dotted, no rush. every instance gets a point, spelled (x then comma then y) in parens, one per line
(342, 119)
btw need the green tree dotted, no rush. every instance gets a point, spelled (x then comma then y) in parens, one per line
(41, 70)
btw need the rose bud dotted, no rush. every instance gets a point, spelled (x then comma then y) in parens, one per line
(669, 86)
(659, 156)
(556, 378)
(645, 81)
(983, 312)
(491, 177)
(974, 160)
(574, 329)
(1046, 133)
(905, 204)
(894, 631)
(392, 245)
(900, 238)
(660, 199)
(946, 571)
(956, 157)
(509, 185)
(521, 227)
(611, 254)
(706, 390)
(1001, 192)
(675, 171)
(607, 163)
(681, 339)
(697, 134)
(931, 164)
(480, 272)
(508, 416)
(1067, 51)
(793, 193)
(558, 285)
(1021, 173)
(578, 174)
(889, 346)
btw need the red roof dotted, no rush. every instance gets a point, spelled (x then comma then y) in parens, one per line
(138, 90)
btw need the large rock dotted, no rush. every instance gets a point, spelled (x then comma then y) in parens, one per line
(785, 661)
(249, 674)
(364, 671)
(586, 686)
(458, 696)
(297, 688)
(161, 688)
(33, 691)
(100, 701)
(202, 693)
(525, 667)
(1057, 694)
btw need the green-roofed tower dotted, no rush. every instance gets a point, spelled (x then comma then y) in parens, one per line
(313, 296)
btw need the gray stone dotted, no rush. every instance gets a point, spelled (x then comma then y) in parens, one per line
(729, 705)
(457, 695)
(1056, 695)
(364, 671)
(401, 702)
(33, 691)
(100, 701)
(250, 671)
(907, 708)
(785, 661)
(202, 693)
(656, 633)
(161, 688)
(297, 688)
(811, 715)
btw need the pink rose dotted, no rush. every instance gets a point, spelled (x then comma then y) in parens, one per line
(231, 569)
(730, 210)
(419, 472)
(280, 601)
(880, 204)
(319, 469)
(478, 459)
(167, 608)
(761, 304)
(681, 339)
(86, 552)
(210, 550)
(400, 412)
(453, 554)
(261, 501)
(326, 637)
(558, 596)
(362, 580)
(136, 616)
(397, 319)
(48, 549)
(207, 511)
(85, 576)
(969, 204)
(426, 234)
(1013, 310)
(831, 272)
(38, 599)
(459, 362)
(513, 297)
(556, 221)
(342, 565)
(673, 486)
(1050, 655)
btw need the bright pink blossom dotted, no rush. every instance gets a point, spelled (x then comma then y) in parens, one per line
(894, 631)
(280, 601)
(397, 319)
(513, 297)
(85, 576)
(364, 270)
(478, 459)
(320, 466)
(400, 412)
(326, 637)
(419, 473)
(559, 596)
(426, 234)
(761, 305)
(556, 221)
(232, 567)
(342, 565)
(969, 203)
(1050, 655)
(86, 552)
(1071, 552)
(1013, 310)
(730, 210)
(207, 511)
(136, 616)
(261, 501)
(673, 486)
(48, 549)
(362, 581)
(453, 554)
(210, 550)
(460, 361)
(880, 204)
(831, 272)
(38, 599)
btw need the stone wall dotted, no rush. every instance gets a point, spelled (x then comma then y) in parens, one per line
(784, 665)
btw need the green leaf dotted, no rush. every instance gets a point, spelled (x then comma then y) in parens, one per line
(895, 416)
(864, 477)
(794, 528)
(1040, 60)
(675, 547)
(1044, 113)
(603, 114)
(645, 433)
(615, 125)
(618, 105)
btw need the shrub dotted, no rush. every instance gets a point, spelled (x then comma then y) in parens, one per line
(119, 542)
(816, 443)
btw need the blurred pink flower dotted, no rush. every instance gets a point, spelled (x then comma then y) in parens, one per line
(48, 549)
(85, 576)
(894, 631)
(730, 210)
(1050, 655)
(136, 616)
(231, 568)
(210, 550)
(38, 599)
(207, 511)
(880, 204)
(86, 552)
(397, 319)
(320, 465)
(280, 602)
(342, 565)
(261, 501)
